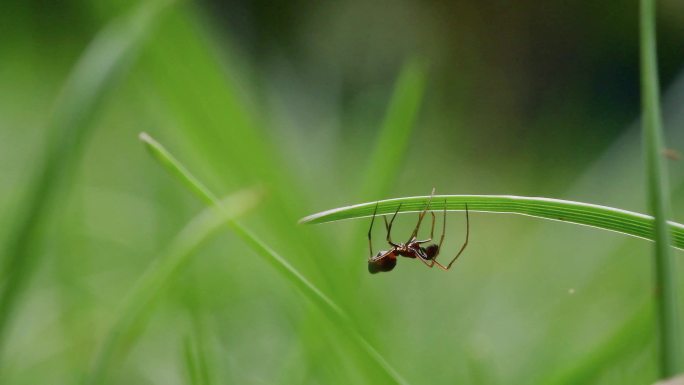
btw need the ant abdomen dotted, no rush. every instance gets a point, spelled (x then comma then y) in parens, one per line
(384, 264)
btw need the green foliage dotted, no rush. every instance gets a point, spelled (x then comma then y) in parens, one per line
(126, 287)
(93, 78)
(164, 271)
(324, 303)
(395, 133)
(607, 218)
(666, 273)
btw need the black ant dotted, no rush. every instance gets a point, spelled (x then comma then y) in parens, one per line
(386, 260)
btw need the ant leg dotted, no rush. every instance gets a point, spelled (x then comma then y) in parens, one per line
(444, 226)
(370, 243)
(428, 263)
(421, 216)
(432, 231)
(388, 227)
(447, 267)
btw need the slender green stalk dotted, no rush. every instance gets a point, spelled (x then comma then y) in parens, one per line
(390, 149)
(195, 361)
(162, 272)
(190, 358)
(328, 307)
(603, 217)
(92, 79)
(666, 272)
(398, 124)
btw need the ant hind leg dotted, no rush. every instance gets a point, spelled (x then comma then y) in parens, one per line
(465, 243)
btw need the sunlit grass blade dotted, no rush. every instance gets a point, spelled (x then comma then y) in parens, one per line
(162, 272)
(335, 313)
(392, 143)
(666, 271)
(92, 79)
(603, 217)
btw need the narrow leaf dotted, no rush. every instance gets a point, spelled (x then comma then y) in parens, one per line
(603, 217)
(162, 272)
(92, 79)
(327, 306)
(666, 270)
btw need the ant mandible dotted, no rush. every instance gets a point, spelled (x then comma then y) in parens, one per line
(413, 248)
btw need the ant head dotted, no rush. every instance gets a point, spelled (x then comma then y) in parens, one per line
(431, 251)
(383, 264)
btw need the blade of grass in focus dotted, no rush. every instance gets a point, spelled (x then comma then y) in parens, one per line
(607, 218)
(92, 79)
(666, 273)
(327, 306)
(163, 271)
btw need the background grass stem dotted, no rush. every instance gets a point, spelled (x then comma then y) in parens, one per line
(162, 273)
(334, 312)
(665, 263)
(92, 79)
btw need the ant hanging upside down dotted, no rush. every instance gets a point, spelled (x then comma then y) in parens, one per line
(413, 248)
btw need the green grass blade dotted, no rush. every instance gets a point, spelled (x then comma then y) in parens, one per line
(189, 357)
(393, 140)
(195, 361)
(327, 306)
(603, 217)
(163, 271)
(666, 272)
(92, 79)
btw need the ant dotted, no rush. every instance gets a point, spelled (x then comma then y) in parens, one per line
(386, 260)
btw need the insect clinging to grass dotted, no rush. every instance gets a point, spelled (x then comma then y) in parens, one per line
(413, 248)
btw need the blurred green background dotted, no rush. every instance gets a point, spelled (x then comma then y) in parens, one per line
(314, 102)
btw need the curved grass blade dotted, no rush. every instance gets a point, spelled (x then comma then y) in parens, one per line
(92, 79)
(666, 271)
(603, 217)
(324, 303)
(163, 271)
